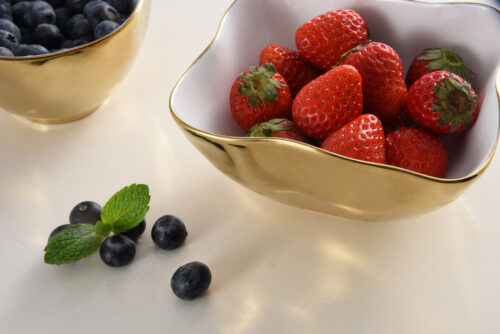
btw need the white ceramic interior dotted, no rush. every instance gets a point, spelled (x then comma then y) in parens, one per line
(408, 26)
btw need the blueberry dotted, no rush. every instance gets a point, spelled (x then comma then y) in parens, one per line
(25, 35)
(21, 13)
(104, 28)
(57, 230)
(78, 42)
(81, 30)
(122, 6)
(8, 40)
(47, 35)
(42, 12)
(10, 26)
(87, 212)
(191, 280)
(89, 5)
(76, 6)
(4, 52)
(62, 17)
(101, 12)
(55, 3)
(31, 50)
(71, 22)
(137, 231)
(169, 232)
(5, 11)
(117, 250)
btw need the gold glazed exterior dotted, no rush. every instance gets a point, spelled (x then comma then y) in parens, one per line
(68, 85)
(308, 177)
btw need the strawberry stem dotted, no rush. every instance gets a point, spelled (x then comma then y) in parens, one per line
(259, 85)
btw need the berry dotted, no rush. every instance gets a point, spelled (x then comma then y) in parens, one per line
(87, 212)
(62, 17)
(325, 38)
(296, 70)
(81, 30)
(11, 27)
(57, 230)
(169, 232)
(278, 127)
(31, 50)
(68, 27)
(47, 35)
(442, 102)
(5, 11)
(437, 59)
(417, 150)
(25, 35)
(122, 6)
(76, 6)
(328, 102)
(22, 15)
(104, 28)
(42, 12)
(55, 3)
(9, 41)
(258, 95)
(89, 5)
(362, 138)
(191, 280)
(4, 52)
(384, 88)
(137, 231)
(101, 12)
(117, 250)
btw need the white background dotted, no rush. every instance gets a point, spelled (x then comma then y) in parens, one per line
(276, 269)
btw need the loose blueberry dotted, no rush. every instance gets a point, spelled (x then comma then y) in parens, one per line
(47, 35)
(42, 12)
(8, 40)
(57, 230)
(169, 232)
(191, 280)
(104, 28)
(4, 52)
(87, 212)
(137, 231)
(81, 30)
(117, 250)
(76, 6)
(31, 50)
(10, 26)
(102, 12)
(21, 14)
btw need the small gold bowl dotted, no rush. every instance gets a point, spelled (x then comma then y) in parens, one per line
(309, 177)
(67, 85)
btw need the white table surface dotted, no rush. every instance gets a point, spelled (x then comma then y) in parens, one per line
(276, 269)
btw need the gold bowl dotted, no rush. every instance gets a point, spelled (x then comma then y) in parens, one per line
(67, 85)
(306, 176)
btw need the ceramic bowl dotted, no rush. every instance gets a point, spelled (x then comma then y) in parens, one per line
(67, 85)
(309, 177)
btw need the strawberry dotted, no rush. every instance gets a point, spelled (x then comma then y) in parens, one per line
(259, 94)
(417, 150)
(437, 59)
(296, 70)
(278, 127)
(328, 102)
(402, 120)
(363, 139)
(324, 39)
(384, 88)
(442, 102)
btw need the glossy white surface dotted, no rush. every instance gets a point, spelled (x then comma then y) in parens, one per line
(276, 269)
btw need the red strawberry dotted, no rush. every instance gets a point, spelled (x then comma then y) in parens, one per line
(328, 102)
(290, 64)
(417, 150)
(278, 127)
(437, 59)
(324, 39)
(442, 102)
(384, 88)
(362, 138)
(259, 94)
(402, 120)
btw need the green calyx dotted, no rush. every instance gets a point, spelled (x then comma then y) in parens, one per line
(258, 84)
(445, 60)
(456, 103)
(267, 129)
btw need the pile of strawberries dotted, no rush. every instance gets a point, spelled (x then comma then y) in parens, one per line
(348, 94)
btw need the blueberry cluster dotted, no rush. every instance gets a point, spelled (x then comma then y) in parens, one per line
(35, 27)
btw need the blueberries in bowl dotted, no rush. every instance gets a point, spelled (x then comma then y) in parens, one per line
(43, 26)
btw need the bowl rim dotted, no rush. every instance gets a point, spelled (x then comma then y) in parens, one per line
(77, 49)
(477, 172)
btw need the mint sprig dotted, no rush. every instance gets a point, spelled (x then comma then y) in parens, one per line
(123, 211)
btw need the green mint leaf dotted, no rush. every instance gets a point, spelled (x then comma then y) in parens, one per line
(103, 229)
(73, 243)
(126, 208)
